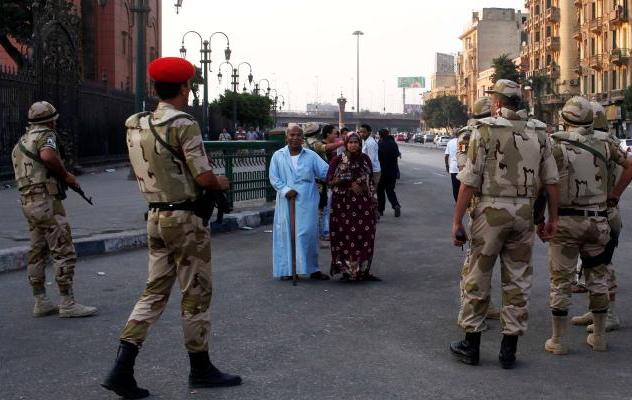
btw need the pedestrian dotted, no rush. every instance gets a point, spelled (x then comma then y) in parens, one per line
(225, 136)
(252, 134)
(600, 125)
(334, 145)
(371, 149)
(502, 221)
(584, 160)
(388, 154)
(452, 165)
(39, 175)
(240, 134)
(293, 174)
(171, 167)
(352, 212)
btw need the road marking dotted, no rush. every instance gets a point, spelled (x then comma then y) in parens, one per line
(436, 173)
(418, 183)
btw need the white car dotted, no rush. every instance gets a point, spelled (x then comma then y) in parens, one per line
(443, 141)
(626, 145)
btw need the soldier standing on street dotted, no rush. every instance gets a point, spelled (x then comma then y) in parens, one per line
(38, 173)
(171, 166)
(507, 163)
(600, 125)
(584, 161)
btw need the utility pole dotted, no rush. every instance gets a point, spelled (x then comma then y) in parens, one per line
(357, 35)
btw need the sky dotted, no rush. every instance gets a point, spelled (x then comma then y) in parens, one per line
(306, 49)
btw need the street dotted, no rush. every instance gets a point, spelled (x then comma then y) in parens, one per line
(319, 340)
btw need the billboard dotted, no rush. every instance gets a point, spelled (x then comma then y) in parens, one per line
(411, 82)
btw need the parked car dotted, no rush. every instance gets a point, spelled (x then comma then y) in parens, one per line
(428, 138)
(401, 137)
(626, 145)
(418, 138)
(443, 141)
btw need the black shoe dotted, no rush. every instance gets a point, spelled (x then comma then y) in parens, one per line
(121, 380)
(467, 350)
(319, 276)
(507, 355)
(398, 212)
(204, 374)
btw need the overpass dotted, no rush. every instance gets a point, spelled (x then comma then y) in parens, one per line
(401, 122)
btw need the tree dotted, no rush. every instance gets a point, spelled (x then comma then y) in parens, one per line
(16, 26)
(251, 109)
(445, 111)
(504, 68)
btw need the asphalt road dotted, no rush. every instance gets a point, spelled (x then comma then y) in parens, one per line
(319, 340)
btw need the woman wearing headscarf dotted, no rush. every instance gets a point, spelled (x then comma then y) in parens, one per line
(353, 218)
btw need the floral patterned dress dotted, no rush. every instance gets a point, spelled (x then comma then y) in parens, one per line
(353, 217)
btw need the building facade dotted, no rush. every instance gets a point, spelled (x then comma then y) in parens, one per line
(108, 41)
(491, 32)
(443, 80)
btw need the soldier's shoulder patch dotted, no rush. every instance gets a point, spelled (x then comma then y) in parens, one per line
(50, 142)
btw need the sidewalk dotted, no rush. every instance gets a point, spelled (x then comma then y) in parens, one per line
(115, 222)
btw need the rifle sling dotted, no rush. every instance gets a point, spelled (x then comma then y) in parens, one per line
(164, 143)
(589, 149)
(32, 156)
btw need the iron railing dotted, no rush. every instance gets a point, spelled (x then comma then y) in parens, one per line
(246, 164)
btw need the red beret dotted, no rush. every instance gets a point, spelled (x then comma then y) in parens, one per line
(171, 70)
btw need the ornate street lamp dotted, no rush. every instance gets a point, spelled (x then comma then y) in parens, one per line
(177, 5)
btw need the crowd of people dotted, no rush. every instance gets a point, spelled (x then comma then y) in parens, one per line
(331, 188)
(506, 169)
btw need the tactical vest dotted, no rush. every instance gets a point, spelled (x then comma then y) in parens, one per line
(614, 169)
(512, 164)
(583, 175)
(162, 178)
(30, 172)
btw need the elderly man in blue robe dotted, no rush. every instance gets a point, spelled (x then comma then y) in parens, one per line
(293, 174)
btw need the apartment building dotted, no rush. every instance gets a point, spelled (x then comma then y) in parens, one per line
(443, 80)
(490, 33)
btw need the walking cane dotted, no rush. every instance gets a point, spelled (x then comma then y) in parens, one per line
(293, 233)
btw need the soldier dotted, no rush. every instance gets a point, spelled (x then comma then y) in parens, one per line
(38, 173)
(507, 163)
(583, 160)
(481, 109)
(600, 125)
(171, 167)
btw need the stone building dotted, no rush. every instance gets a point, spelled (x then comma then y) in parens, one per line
(443, 80)
(490, 33)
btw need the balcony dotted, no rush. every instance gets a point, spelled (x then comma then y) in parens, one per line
(553, 71)
(553, 14)
(620, 56)
(596, 62)
(555, 98)
(617, 95)
(553, 43)
(595, 25)
(617, 17)
(577, 35)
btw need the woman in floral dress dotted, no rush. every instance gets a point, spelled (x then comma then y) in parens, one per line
(352, 220)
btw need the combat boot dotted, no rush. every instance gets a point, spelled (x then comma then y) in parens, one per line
(467, 350)
(556, 344)
(585, 319)
(204, 374)
(612, 322)
(597, 339)
(507, 355)
(71, 309)
(43, 306)
(121, 380)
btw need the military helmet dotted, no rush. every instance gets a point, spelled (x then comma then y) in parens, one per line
(506, 88)
(42, 112)
(599, 116)
(577, 111)
(311, 129)
(482, 108)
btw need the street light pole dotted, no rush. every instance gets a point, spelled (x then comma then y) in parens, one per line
(357, 35)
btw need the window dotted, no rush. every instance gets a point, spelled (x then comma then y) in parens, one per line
(624, 77)
(593, 46)
(593, 82)
(614, 40)
(124, 42)
(548, 31)
(605, 81)
(613, 79)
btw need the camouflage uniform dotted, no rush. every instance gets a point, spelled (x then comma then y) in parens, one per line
(179, 243)
(507, 161)
(44, 212)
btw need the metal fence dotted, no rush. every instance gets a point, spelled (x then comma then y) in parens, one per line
(246, 164)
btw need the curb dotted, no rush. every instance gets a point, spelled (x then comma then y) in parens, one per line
(14, 258)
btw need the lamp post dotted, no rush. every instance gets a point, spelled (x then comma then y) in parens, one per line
(274, 105)
(250, 76)
(357, 34)
(258, 84)
(177, 5)
(205, 62)
(234, 83)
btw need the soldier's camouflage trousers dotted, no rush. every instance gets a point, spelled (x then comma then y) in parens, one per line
(578, 236)
(616, 225)
(50, 234)
(499, 228)
(179, 248)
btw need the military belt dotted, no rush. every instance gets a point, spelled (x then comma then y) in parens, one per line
(184, 206)
(574, 212)
(507, 200)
